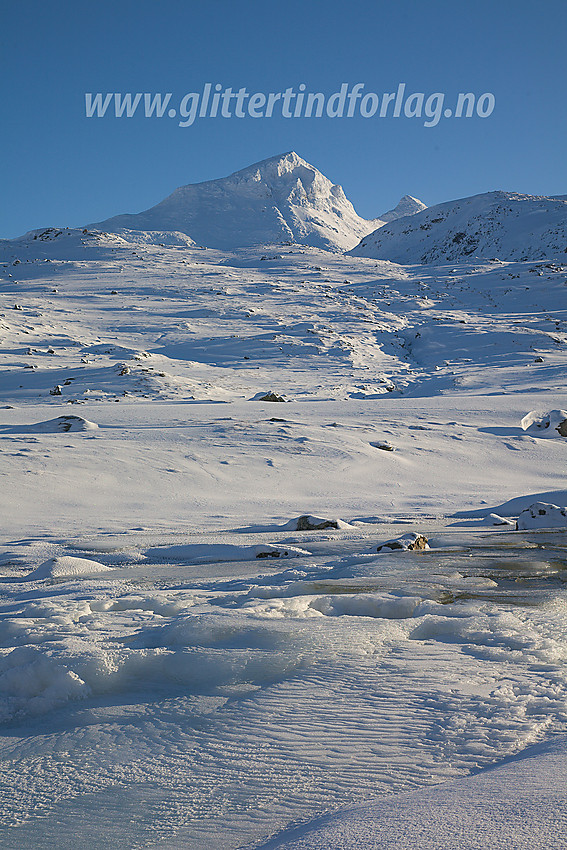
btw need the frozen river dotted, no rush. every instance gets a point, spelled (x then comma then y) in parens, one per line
(198, 696)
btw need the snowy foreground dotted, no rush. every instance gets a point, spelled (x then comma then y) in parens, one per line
(180, 666)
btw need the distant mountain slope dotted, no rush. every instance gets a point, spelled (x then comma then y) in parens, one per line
(279, 199)
(406, 206)
(506, 225)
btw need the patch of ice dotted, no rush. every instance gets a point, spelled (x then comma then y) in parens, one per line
(495, 519)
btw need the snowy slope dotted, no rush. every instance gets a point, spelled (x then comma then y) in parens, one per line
(505, 225)
(406, 206)
(519, 804)
(279, 199)
(181, 666)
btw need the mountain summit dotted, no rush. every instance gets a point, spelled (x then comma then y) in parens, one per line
(279, 199)
(406, 206)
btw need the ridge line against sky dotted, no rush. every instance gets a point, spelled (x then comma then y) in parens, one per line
(63, 168)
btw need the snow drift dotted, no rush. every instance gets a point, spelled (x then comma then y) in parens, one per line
(552, 424)
(67, 566)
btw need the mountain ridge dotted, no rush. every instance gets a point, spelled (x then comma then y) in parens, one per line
(504, 225)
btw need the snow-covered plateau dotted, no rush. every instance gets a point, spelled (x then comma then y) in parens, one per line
(228, 621)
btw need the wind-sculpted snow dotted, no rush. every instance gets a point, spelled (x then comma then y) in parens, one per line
(66, 567)
(518, 804)
(254, 697)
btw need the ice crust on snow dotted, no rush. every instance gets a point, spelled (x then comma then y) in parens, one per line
(519, 804)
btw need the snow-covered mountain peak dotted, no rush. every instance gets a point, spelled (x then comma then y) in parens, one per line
(280, 199)
(407, 205)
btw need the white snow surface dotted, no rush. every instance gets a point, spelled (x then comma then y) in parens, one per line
(543, 515)
(66, 567)
(280, 199)
(405, 206)
(551, 425)
(496, 225)
(203, 691)
(59, 425)
(520, 804)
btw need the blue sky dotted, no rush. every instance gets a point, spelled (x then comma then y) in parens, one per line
(62, 168)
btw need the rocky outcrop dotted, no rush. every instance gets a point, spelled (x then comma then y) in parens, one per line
(407, 542)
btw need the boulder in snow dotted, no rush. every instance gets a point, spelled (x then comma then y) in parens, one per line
(551, 424)
(60, 425)
(271, 397)
(54, 426)
(407, 542)
(266, 550)
(310, 523)
(542, 515)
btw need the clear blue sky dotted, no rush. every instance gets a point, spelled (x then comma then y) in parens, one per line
(61, 168)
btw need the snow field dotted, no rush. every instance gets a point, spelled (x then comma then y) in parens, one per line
(161, 683)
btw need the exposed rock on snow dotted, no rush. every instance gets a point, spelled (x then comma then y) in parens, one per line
(268, 551)
(507, 225)
(204, 553)
(271, 397)
(385, 445)
(302, 523)
(542, 515)
(310, 523)
(314, 523)
(407, 542)
(495, 519)
(61, 425)
(67, 567)
(281, 199)
(550, 424)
